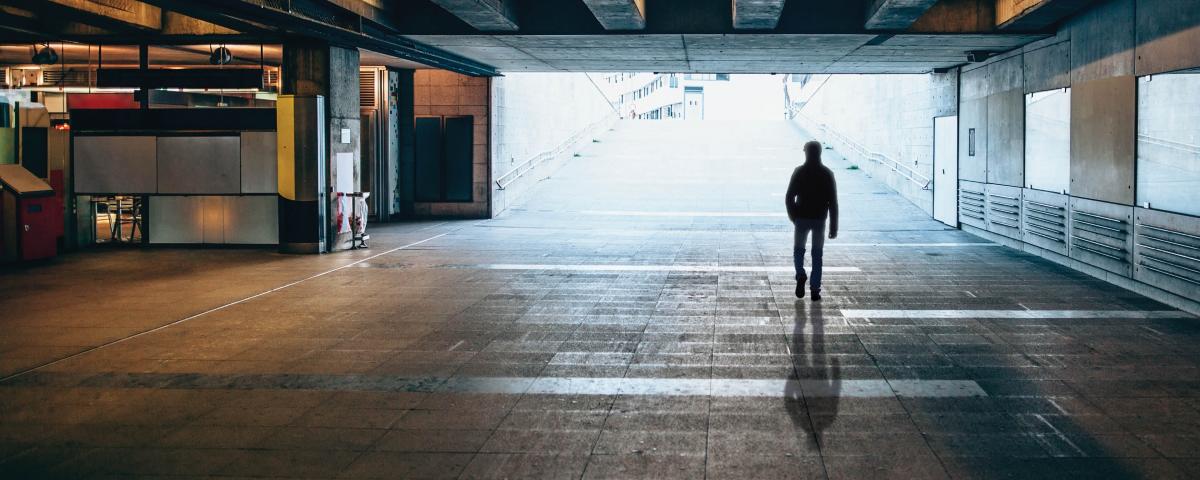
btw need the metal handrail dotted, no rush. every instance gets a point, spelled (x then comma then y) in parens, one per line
(903, 170)
(527, 166)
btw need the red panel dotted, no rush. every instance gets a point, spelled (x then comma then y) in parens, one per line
(60, 207)
(100, 101)
(38, 224)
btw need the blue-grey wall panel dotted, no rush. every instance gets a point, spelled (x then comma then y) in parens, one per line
(176, 220)
(1102, 41)
(1168, 149)
(972, 140)
(1168, 32)
(1048, 67)
(459, 158)
(199, 165)
(259, 162)
(116, 164)
(1102, 139)
(429, 179)
(1006, 138)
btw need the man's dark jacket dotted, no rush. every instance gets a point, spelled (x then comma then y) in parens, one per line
(812, 194)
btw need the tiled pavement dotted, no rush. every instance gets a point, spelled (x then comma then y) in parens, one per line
(660, 340)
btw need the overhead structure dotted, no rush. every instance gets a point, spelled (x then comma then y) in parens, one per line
(1035, 14)
(483, 15)
(757, 14)
(484, 37)
(124, 16)
(895, 14)
(619, 14)
(364, 26)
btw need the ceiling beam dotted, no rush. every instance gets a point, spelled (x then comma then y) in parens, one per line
(483, 15)
(1035, 14)
(757, 14)
(127, 15)
(619, 14)
(324, 21)
(895, 14)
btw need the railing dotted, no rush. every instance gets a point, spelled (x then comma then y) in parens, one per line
(901, 169)
(527, 166)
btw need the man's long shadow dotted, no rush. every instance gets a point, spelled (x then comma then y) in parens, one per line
(812, 398)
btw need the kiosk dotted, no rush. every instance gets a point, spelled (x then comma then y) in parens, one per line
(30, 217)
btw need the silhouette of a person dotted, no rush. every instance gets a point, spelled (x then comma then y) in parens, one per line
(811, 198)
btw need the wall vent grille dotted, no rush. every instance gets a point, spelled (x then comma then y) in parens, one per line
(1046, 221)
(367, 81)
(71, 77)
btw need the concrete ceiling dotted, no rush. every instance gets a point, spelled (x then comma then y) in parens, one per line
(726, 53)
(486, 37)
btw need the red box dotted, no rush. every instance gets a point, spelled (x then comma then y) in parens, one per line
(30, 219)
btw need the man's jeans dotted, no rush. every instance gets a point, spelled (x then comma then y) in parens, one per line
(805, 226)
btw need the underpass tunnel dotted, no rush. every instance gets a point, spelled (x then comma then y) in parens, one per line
(549, 239)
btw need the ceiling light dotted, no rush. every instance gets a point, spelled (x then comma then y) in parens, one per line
(45, 56)
(220, 56)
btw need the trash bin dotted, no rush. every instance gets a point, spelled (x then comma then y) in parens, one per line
(30, 221)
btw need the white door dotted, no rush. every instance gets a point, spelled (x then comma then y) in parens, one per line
(945, 170)
(693, 106)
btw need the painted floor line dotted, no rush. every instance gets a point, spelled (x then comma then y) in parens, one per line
(835, 243)
(716, 387)
(219, 308)
(651, 268)
(1016, 314)
(640, 213)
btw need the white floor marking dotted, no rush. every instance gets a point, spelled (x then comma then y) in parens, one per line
(222, 307)
(835, 243)
(640, 213)
(1047, 314)
(716, 387)
(652, 268)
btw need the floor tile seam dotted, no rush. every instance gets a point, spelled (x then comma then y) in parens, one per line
(218, 308)
(908, 412)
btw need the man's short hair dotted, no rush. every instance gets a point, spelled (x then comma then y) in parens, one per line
(812, 146)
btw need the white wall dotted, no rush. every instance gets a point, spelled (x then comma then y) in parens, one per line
(887, 114)
(536, 113)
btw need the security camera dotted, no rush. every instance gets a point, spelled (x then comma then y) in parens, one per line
(976, 56)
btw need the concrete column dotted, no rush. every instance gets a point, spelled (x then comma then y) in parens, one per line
(316, 69)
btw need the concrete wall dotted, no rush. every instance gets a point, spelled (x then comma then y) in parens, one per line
(537, 121)
(891, 115)
(443, 93)
(1099, 54)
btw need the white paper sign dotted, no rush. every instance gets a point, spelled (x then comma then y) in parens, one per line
(344, 173)
(346, 135)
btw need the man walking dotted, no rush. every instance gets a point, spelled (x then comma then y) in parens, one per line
(811, 197)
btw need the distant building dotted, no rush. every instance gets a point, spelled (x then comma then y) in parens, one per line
(695, 96)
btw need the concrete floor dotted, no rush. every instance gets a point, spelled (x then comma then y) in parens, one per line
(634, 318)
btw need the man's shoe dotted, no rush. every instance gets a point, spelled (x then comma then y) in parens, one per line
(799, 289)
(816, 295)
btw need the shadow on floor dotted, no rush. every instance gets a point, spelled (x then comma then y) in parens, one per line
(827, 381)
